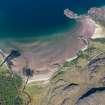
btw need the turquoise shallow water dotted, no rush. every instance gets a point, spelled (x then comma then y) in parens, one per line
(23, 19)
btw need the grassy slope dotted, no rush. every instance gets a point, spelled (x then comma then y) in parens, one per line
(8, 90)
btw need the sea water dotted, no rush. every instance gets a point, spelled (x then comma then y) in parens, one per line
(24, 19)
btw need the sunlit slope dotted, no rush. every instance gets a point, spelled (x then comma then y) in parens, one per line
(8, 85)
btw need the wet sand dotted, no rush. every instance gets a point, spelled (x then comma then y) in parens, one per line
(45, 57)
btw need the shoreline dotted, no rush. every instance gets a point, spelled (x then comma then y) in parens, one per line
(46, 76)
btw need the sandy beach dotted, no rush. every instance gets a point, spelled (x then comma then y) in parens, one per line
(45, 58)
(99, 32)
